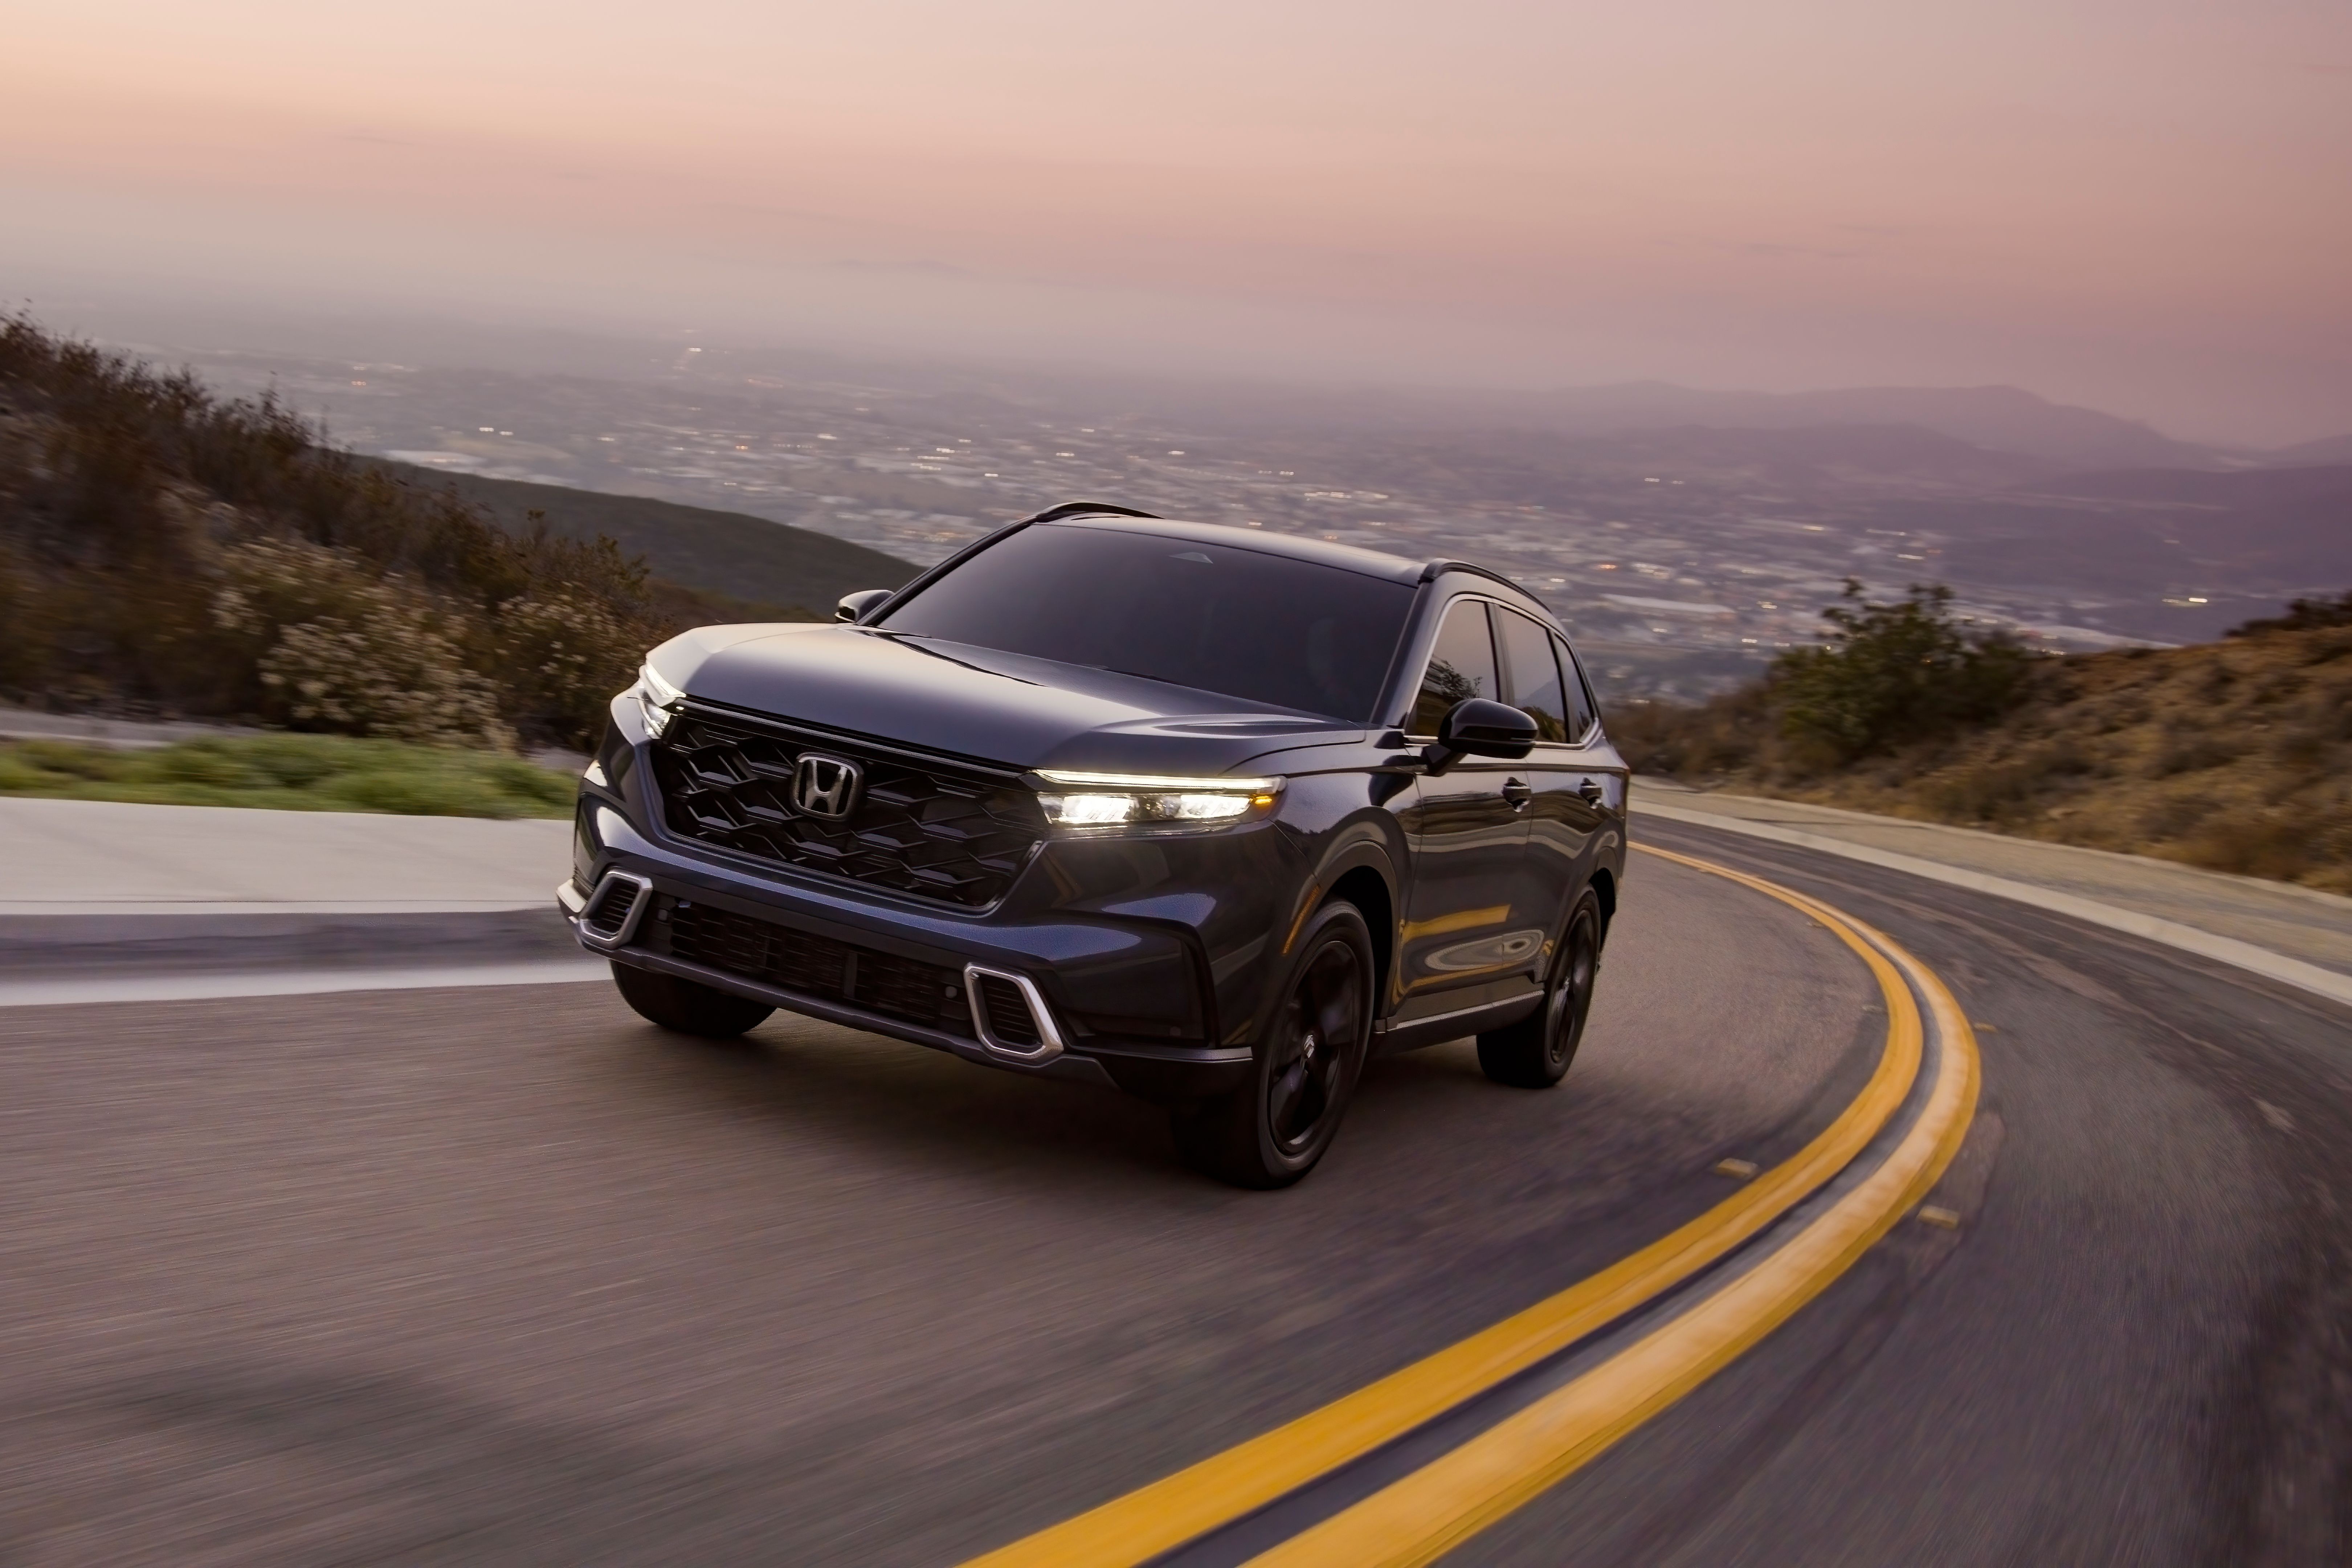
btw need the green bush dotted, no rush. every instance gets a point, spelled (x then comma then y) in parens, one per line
(163, 548)
(1892, 675)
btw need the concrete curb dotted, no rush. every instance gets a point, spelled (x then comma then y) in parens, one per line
(214, 985)
(1650, 788)
(2245, 955)
(55, 947)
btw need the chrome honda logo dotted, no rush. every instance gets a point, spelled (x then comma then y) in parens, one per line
(824, 786)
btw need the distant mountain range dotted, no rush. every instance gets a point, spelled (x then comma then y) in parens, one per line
(2334, 450)
(1998, 419)
(1995, 418)
(761, 566)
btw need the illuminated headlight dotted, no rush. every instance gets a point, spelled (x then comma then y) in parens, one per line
(656, 700)
(1134, 800)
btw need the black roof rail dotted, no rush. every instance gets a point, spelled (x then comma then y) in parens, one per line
(1083, 508)
(1435, 569)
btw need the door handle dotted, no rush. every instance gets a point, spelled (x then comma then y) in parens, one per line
(1592, 791)
(1519, 793)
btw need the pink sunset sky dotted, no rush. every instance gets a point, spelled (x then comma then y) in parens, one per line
(2146, 207)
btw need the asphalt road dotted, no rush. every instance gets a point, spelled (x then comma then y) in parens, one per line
(508, 1277)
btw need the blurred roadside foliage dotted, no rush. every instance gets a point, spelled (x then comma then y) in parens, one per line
(163, 550)
(291, 772)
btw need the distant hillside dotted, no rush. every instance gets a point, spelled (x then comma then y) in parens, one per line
(1805, 453)
(167, 551)
(721, 552)
(1998, 419)
(2286, 526)
(2331, 449)
(2147, 539)
(2232, 755)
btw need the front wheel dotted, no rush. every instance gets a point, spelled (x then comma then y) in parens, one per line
(1272, 1130)
(685, 1006)
(1534, 1053)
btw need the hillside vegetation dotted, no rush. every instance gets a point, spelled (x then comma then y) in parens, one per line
(2236, 756)
(166, 551)
(724, 556)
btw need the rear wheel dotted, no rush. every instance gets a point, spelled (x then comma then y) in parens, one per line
(685, 1006)
(1272, 1130)
(1534, 1053)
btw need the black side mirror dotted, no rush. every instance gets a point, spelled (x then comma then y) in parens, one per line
(853, 606)
(1479, 728)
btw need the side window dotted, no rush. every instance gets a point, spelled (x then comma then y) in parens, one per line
(1461, 666)
(1581, 714)
(1535, 674)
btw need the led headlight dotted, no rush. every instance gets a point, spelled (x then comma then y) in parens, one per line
(656, 700)
(1137, 800)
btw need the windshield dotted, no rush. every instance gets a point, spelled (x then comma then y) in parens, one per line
(1265, 629)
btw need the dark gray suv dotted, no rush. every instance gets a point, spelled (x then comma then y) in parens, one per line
(1206, 813)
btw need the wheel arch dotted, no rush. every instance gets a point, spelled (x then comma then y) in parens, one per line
(1604, 888)
(1368, 890)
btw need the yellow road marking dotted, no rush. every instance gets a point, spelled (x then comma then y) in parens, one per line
(1153, 1519)
(1460, 919)
(1428, 1513)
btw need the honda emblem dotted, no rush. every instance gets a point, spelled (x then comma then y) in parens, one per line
(824, 787)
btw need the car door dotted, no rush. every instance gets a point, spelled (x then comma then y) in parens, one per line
(1600, 791)
(1560, 819)
(1468, 936)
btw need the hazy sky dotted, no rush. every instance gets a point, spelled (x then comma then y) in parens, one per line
(2144, 204)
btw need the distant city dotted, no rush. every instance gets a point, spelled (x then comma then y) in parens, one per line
(1681, 557)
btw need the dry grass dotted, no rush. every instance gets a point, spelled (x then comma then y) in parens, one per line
(2235, 756)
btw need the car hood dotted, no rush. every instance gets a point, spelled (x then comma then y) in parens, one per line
(980, 702)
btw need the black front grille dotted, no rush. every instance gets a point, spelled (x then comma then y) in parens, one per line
(930, 994)
(941, 830)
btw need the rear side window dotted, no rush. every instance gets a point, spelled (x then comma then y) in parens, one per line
(1536, 686)
(1581, 714)
(1461, 666)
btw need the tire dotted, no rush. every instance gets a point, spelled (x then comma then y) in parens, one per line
(1272, 1131)
(1534, 1052)
(685, 1006)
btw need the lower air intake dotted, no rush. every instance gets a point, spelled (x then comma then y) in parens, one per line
(1009, 1018)
(610, 918)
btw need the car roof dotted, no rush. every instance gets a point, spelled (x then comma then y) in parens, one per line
(1296, 547)
(1348, 557)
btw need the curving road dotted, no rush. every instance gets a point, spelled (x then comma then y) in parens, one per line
(505, 1275)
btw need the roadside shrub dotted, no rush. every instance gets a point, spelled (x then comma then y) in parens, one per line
(163, 549)
(388, 669)
(563, 655)
(2301, 616)
(1892, 674)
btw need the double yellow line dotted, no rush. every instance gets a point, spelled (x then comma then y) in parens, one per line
(1426, 1513)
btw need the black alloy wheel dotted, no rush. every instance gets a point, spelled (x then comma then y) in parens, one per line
(1308, 1073)
(1534, 1052)
(1272, 1130)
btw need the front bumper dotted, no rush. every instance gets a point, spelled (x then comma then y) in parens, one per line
(1046, 980)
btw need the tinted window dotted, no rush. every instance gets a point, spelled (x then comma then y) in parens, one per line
(1461, 666)
(1241, 623)
(1535, 674)
(1581, 715)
